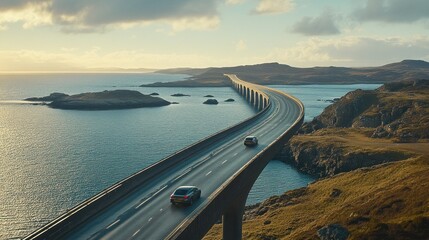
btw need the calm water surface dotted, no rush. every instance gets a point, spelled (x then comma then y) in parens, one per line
(52, 159)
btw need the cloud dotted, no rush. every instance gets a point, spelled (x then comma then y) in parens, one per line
(18, 4)
(274, 6)
(395, 11)
(241, 45)
(234, 2)
(30, 14)
(353, 51)
(97, 15)
(321, 25)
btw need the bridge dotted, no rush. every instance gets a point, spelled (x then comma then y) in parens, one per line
(220, 165)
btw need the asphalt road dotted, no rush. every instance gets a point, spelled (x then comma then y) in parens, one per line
(147, 212)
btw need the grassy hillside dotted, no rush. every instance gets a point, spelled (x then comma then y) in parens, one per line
(388, 201)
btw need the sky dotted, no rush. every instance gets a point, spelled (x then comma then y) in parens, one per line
(80, 35)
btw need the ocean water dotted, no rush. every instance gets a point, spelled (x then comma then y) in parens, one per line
(52, 159)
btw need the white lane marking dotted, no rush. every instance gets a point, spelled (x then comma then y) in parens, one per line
(150, 219)
(235, 154)
(151, 196)
(208, 173)
(142, 203)
(136, 232)
(111, 225)
(224, 162)
(159, 190)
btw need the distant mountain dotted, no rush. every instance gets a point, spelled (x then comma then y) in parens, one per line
(120, 70)
(408, 64)
(280, 74)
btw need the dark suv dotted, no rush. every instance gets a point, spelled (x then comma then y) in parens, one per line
(185, 195)
(250, 141)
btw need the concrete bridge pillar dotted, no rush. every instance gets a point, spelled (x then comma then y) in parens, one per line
(232, 220)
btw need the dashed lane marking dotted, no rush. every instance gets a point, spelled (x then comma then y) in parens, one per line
(145, 201)
(150, 219)
(208, 173)
(136, 232)
(224, 162)
(111, 225)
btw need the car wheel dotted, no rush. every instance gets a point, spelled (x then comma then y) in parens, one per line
(191, 202)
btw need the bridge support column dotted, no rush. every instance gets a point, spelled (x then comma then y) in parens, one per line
(233, 221)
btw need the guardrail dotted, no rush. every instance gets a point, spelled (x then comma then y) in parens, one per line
(83, 211)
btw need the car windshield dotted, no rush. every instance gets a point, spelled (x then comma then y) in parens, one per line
(181, 192)
(249, 139)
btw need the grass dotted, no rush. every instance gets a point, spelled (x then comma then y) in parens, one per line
(387, 201)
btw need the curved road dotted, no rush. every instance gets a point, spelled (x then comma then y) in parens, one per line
(147, 212)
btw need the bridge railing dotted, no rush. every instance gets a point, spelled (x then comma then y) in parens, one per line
(83, 211)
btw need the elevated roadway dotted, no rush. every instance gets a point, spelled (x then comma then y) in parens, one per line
(221, 166)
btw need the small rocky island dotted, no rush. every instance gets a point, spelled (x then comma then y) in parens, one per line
(211, 101)
(106, 100)
(180, 95)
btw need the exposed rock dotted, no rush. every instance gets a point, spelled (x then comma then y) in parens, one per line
(208, 96)
(395, 110)
(266, 222)
(286, 199)
(117, 99)
(335, 193)
(180, 95)
(230, 100)
(358, 220)
(329, 100)
(154, 94)
(333, 232)
(51, 97)
(343, 112)
(174, 103)
(211, 101)
(323, 160)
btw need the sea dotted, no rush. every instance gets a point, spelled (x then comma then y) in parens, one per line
(51, 159)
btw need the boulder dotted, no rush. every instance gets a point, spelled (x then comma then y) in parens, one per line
(333, 232)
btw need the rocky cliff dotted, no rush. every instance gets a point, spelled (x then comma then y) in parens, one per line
(343, 137)
(397, 110)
